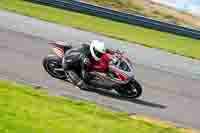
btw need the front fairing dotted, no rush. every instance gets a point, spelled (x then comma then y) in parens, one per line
(121, 66)
(124, 67)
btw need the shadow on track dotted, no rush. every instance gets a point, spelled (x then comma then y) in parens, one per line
(136, 101)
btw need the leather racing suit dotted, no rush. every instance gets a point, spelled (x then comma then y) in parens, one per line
(79, 60)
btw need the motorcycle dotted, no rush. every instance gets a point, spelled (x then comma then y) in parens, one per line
(120, 76)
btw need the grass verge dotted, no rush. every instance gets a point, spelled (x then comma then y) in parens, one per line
(147, 37)
(25, 110)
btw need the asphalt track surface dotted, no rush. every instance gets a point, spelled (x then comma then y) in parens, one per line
(168, 96)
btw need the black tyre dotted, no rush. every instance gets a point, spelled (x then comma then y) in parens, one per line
(52, 62)
(132, 90)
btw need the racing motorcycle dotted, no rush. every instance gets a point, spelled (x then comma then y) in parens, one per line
(120, 77)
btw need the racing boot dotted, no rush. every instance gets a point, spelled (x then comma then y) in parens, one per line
(76, 80)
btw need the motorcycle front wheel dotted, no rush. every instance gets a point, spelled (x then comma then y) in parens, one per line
(132, 90)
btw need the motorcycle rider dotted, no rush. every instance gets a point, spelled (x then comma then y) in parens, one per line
(92, 57)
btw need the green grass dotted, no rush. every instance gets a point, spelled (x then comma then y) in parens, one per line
(151, 38)
(25, 110)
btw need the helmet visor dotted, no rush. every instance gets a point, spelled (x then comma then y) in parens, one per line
(97, 53)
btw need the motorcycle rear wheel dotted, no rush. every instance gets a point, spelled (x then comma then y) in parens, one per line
(132, 91)
(51, 63)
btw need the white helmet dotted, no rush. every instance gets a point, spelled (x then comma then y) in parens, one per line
(97, 49)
